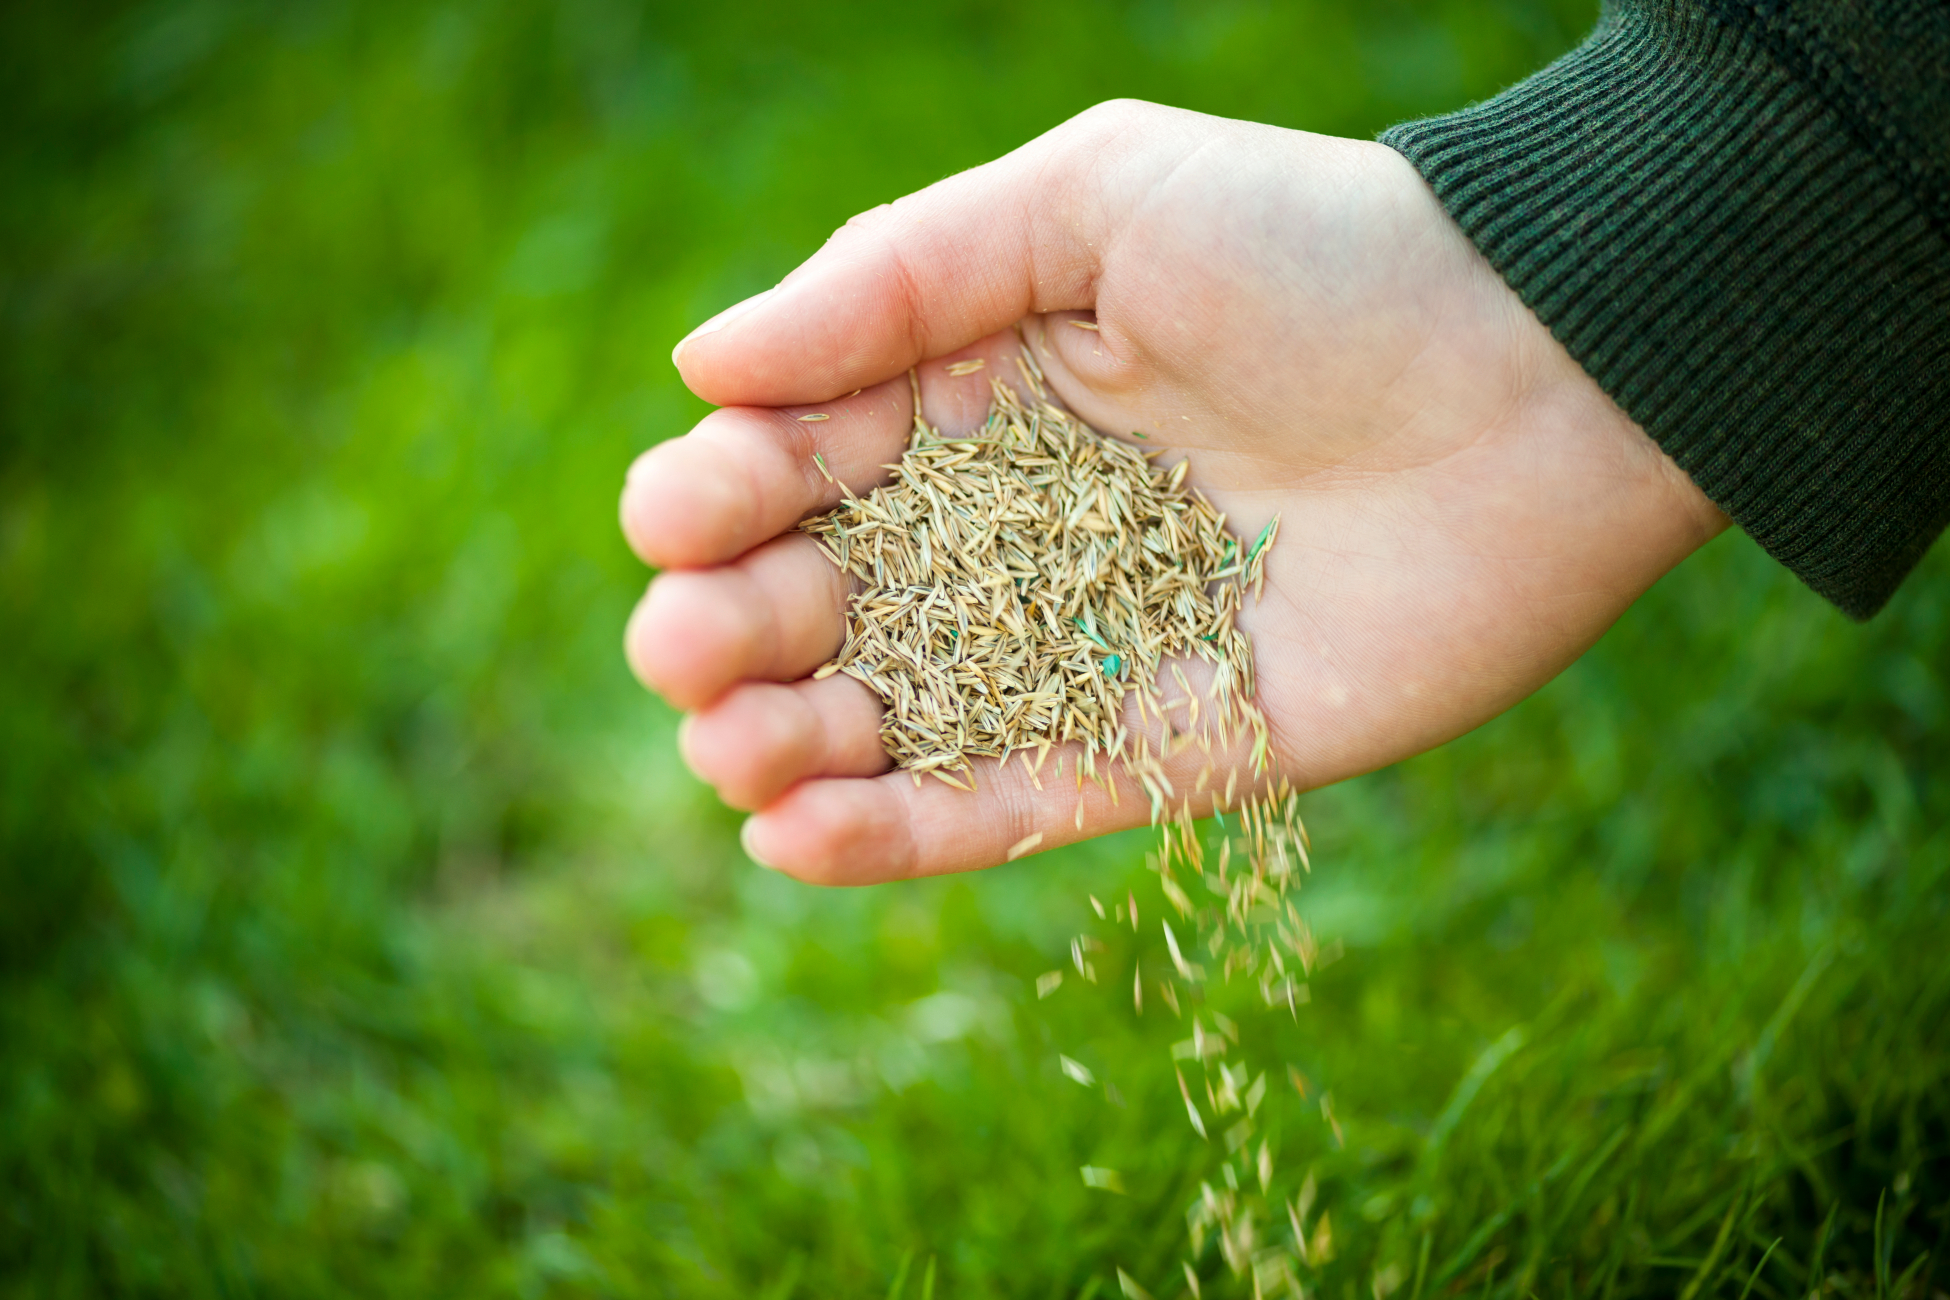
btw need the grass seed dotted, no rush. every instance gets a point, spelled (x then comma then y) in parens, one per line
(1030, 584)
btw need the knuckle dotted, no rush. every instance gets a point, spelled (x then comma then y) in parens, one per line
(1116, 115)
(794, 450)
(872, 216)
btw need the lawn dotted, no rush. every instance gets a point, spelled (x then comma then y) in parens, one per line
(362, 934)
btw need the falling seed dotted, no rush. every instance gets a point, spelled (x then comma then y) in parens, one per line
(1177, 957)
(1078, 1071)
(1027, 585)
(1106, 1180)
(814, 417)
(1090, 325)
(1191, 1107)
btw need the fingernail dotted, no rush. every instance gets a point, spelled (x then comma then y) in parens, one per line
(722, 319)
(745, 839)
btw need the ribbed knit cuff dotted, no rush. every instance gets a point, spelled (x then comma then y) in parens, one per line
(1736, 271)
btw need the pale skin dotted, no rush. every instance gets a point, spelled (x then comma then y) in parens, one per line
(1463, 510)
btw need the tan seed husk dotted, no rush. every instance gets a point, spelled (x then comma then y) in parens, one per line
(1016, 588)
(1021, 583)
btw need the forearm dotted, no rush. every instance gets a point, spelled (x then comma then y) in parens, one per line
(1705, 227)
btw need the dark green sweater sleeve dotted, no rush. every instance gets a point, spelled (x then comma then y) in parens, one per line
(1735, 215)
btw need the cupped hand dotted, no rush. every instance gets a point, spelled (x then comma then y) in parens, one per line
(1463, 510)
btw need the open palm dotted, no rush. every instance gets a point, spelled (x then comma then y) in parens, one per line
(1463, 510)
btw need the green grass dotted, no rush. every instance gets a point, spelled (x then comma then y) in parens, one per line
(362, 935)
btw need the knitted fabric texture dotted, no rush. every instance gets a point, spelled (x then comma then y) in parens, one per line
(1733, 216)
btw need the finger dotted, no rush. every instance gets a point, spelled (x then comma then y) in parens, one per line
(762, 738)
(774, 615)
(861, 832)
(746, 474)
(945, 266)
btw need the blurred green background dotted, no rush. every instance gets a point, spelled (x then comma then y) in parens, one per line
(361, 934)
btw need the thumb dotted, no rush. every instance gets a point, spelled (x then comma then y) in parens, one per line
(936, 270)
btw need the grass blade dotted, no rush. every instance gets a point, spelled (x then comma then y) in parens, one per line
(1713, 1256)
(1754, 1276)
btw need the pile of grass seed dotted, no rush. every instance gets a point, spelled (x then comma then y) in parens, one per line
(1019, 587)
(1022, 581)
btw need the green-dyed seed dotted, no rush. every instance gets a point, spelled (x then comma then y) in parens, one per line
(1264, 533)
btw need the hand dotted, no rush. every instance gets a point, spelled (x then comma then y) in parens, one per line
(1463, 510)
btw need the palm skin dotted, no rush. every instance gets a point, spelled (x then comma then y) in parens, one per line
(1463, 510)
